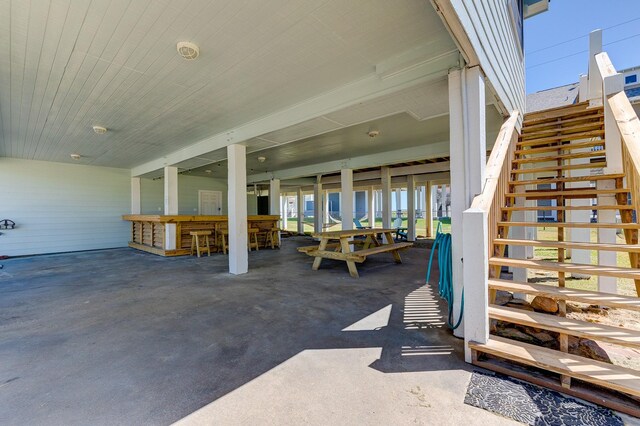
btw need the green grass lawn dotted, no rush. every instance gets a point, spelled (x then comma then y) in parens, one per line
(292, 225)
(625, 286)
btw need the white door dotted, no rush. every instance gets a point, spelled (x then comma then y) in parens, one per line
(209, 203)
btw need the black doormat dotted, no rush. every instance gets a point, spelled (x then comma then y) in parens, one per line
(533, 405)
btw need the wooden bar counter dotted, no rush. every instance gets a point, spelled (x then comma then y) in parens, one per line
(149, 232)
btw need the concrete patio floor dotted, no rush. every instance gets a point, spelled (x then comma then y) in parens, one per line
(124, 337)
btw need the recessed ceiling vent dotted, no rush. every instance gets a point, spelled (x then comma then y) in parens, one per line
(188, 50)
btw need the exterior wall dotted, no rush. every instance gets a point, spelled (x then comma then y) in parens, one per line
(493, 36)
(62, 207)
(152, 195)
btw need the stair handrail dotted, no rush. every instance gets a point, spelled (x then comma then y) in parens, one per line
(623, 137)
(480, 228)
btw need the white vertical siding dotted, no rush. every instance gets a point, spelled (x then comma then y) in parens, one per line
(490, 30)
(62, 207)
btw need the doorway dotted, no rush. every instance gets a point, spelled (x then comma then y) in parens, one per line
(209, 203)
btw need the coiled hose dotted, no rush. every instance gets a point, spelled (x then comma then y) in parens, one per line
(442, 244)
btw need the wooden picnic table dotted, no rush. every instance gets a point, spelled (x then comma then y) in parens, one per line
(343, 243)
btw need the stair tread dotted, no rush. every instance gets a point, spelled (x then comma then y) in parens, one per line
(634, 248)
(565, 293)
(561, 112)
(567, 137)
(567, 192)
(611, 376)
(561, 128)
(562, 146)
(573, 327)
(550, 158)
(572, 225)
(566, 208)
(559, 121)
(597, 165)
(566, 179)
(580, 268)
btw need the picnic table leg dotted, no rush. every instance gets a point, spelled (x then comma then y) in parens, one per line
(367, 242)
(346, 249)
(318, 260)
(395, 253)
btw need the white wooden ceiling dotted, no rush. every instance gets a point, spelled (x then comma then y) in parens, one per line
(68, 65)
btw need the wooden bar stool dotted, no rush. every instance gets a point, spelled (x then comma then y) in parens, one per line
(195, 242)
(252, 241)
(273, 238)
(223, 239)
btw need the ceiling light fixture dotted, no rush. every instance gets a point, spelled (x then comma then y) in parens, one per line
(100, 130)
(373, 133)
(76, 156)
(188, 50)
(262, 159)
(207, 171)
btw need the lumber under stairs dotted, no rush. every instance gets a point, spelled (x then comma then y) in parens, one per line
(560, 148)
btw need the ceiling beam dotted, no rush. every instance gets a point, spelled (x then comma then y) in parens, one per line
(368, 88)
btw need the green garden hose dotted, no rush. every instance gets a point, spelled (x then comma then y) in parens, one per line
(442, 243)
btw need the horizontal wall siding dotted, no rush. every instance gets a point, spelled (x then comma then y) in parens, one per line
(62, 207)
(152, 194)
(488, 25)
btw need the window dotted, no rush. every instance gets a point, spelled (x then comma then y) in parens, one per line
(633, 78)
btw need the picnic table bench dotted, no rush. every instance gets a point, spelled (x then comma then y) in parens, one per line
(337, 245)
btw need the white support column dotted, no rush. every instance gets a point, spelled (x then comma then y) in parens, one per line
(411, 208)
(237, 201)
(607, 258)
(386, 197)
(170, 205)
(583, 96)
(468, 148)
(317, 206)
(346, 198)
(284, 212)
(595, 80)
(135, 196)
(428, 209)
(371, 207)
(300, 206)
(274, 197)
(327, 208)
(398, 202)
(582, 235)
(612, 85)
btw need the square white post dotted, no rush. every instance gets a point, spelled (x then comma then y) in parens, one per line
(468, 150)
(170, 205)
(346, 198)
(612, 85)
(398, 192)
(284, 213)
(428, 209)
(386, 197)
(327, 208)
(237, 200)
(135, 196)
(317, 206)
(371, 207)
(595, 79)
(300, 206)
(411, 208)
(274, 197)
(607, 236)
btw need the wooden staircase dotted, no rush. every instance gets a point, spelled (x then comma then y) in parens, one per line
(559, 148)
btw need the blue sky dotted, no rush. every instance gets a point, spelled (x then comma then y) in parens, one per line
(574, 19)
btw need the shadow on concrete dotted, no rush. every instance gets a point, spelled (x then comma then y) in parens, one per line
(124, 336)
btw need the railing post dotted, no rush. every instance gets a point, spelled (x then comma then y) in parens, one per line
(611, 85)
(475, 272)
(595, 79)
